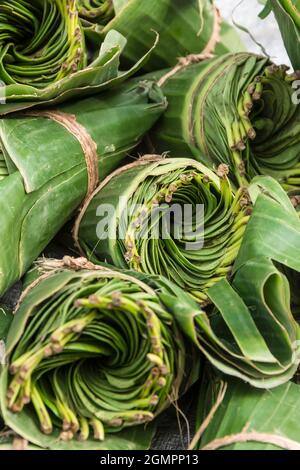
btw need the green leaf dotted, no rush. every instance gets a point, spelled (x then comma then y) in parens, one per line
(119, 4)
(230, 40)
(90, 81)
(272, 232)
(267, 9)
(251, 332)
(287, 14)
(6, 318)
(266, 419)
(77, 50)
(255, 335)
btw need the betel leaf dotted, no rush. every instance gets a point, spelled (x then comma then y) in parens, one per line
(90, 353)
(250, 331)
(55, 50)
(237, 109)
(287, 14)
(101, 74)
(235, 416)
(195, 250)
(246, 327)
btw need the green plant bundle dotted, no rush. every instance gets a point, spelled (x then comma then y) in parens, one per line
(250, 331)
(266, 419)
(50, 162)
(287, 13)
(46, 56)
(238, 109)
(91, 352)
(184, 28)
(171, 217)
(53, 50)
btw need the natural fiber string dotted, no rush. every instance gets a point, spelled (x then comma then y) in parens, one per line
(89, 147)
(295, 200)
(180, 413)
(19, 443)
(260, 437)
(243, 437)
(210, 416)
(216, 33)
(48, 267)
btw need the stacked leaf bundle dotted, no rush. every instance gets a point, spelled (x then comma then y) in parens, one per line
(53, 50)
(238, 110)
(91, 351)
(52, 159)
(169, 217)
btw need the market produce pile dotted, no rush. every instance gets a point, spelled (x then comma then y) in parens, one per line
(164, 161)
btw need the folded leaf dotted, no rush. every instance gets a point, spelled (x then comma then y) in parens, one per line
(136, 438)
(184, 28)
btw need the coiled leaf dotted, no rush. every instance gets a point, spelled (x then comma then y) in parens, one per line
(90, 352)
(238, 109)
(170, 217)
(250, 332)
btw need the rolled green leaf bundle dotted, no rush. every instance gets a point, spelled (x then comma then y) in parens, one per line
(266, 420)
(250, 333)
(184, 28)
(170, 217)
(44, 180)
(47, 57)
(90, 351)
(287, 13)
(54, 50)
(42, 42)
(238, 109)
